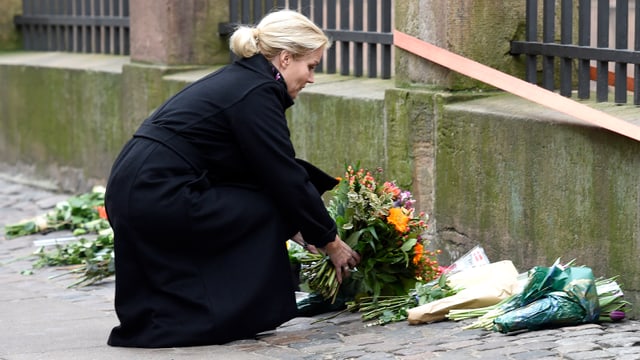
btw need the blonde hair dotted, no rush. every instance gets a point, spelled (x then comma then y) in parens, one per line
(280, 30)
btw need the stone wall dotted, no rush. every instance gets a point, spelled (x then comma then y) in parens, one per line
(528, 184)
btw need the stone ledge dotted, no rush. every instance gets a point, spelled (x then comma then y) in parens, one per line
(96, 62)
(516, 107)
(329, 84)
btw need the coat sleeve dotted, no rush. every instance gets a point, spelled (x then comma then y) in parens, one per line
(321, 180)
(260, 127)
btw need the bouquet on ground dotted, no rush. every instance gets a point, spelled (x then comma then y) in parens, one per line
(81, 214)
(552, 296)
(378, 220)
(84, 214)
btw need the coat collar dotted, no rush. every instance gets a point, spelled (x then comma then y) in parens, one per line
(261, 65)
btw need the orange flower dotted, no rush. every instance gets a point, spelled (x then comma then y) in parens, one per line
(398, 218)
(102, 212)
(418, 249)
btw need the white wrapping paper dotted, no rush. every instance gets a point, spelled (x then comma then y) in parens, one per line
(482, 286)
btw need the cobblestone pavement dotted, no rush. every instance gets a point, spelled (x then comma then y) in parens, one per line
(41, 318)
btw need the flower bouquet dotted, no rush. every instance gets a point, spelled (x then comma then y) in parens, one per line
(83, 214)
(552, 296)
(378, 220)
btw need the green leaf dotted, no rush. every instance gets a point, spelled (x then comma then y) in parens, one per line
(409, 244)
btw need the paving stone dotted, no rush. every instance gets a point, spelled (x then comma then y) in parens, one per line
(534, 355)
(460, 344)
(621, 341)
(590, 355)
(578, 347)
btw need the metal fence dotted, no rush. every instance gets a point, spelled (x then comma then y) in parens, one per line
(360, 29)
(84, 26)
(597, 61)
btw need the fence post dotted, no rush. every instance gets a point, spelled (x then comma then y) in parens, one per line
(178, 32)
(477, 29)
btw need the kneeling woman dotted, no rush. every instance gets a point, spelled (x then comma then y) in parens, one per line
(204, 196)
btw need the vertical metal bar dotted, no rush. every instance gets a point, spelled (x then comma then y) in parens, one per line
(85, 30)
(97, 31)
(622, 42)
(293, 4)
(358, 25)
(318, 20)
(531, 36)
(56, 29)
(256, 11)
(42, 9)
(548, 34)
(115, 10)
(100, 36)
(280, 4)
(76, 29)
(566, 34)
(636, 40)
(60, 29)
(344, 45)
(372, 49)
(42, 42)
(27, 30)
(114, 29)
(108, 40)
(305, 8)
(52, 29)
(245, 15)
(40, 30)
(234, 12)
(49, 10)
(88, 30)
(385, 12)
(125, 35)
(61, 33)
(69, 28)
(584, 39)
(602, 81)
(331, 25)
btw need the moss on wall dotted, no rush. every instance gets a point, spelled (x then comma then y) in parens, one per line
(331, 131)
(73, 118)
(480, 30)
(9, 37)
(533, 191)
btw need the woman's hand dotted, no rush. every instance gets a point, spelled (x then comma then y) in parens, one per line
(342, 257)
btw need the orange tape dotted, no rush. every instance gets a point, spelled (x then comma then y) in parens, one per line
(611, 78)
(514, 85)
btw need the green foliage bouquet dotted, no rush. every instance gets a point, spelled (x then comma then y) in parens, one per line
(379, 221)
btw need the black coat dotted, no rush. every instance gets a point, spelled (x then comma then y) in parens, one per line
(201, 202)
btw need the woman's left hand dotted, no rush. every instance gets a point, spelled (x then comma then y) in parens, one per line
(342, 256)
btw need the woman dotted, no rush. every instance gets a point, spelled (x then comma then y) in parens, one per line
(204, 196)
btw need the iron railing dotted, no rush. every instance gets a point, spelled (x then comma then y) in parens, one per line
(360, 29)
(84, 26)
(586, 53)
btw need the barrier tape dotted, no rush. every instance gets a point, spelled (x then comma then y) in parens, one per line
(611, 78)
(514, 85)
